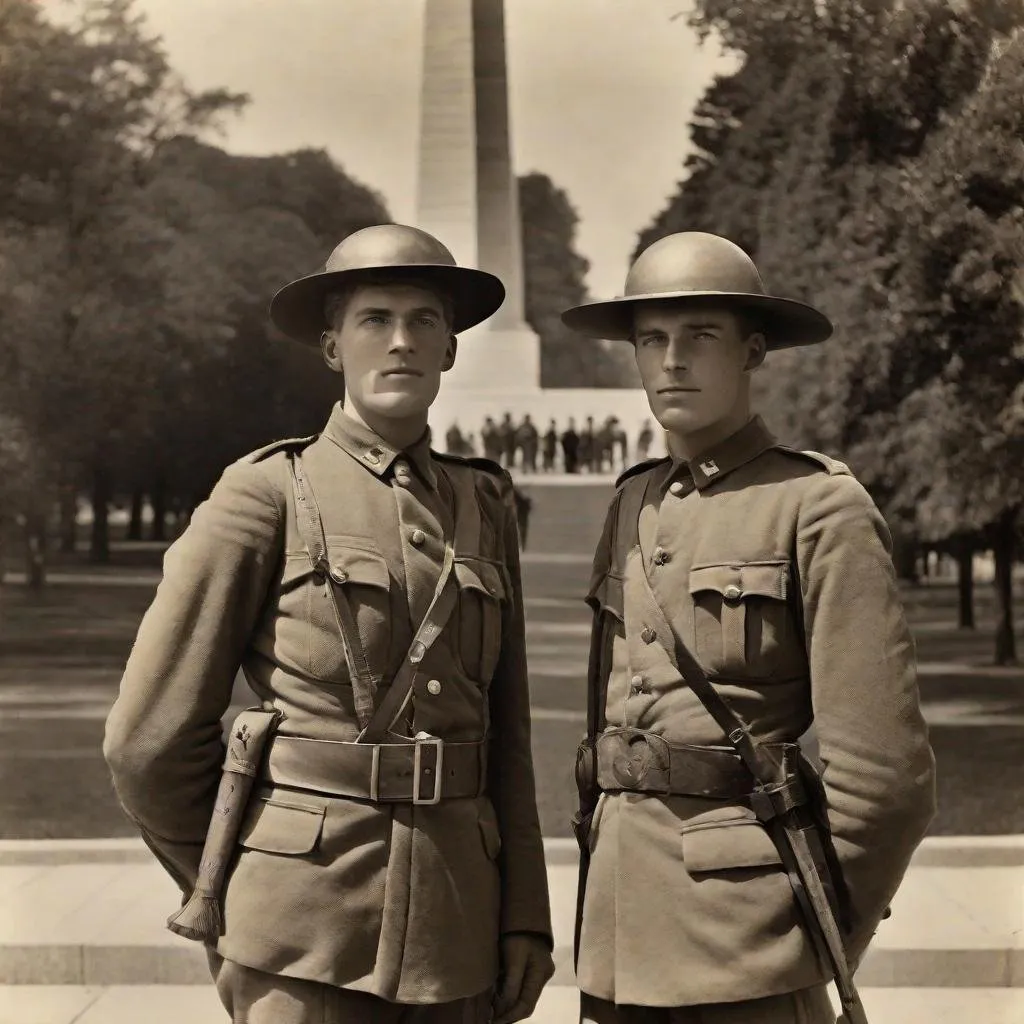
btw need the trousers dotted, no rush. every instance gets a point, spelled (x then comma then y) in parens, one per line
(255, 997)
(806, 1006)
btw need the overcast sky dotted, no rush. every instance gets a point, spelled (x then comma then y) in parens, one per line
(618, 78)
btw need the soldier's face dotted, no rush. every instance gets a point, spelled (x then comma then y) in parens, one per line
(392, 343)
(694, 361)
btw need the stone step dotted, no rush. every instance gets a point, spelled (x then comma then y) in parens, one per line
(93, 913)
(171, 1004)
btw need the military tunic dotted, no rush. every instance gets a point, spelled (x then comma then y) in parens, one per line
(406, 902)
(773, 566)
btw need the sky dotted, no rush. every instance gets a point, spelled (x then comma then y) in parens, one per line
(600, 95)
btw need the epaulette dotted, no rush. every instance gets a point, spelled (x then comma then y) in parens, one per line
(279, 446)
(833, 466)
(488, 465)
(640, 467)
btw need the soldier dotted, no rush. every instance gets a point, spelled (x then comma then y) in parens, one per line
(527, 438)
(644, 440)
(549, 446)
(490, 438)
(571, 447)
(509, 443)
(741, 590)
(389, 865)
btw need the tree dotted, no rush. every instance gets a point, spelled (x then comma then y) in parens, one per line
(554, 281)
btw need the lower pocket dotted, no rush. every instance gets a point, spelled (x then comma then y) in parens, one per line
(275, 826)
(727, 840)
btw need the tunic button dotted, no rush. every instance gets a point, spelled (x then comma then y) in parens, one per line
(661, 556)
(648, 635)
(433, 687)
(732, 592)
(417, 537)
(677, 488)
(637, 684)
(402, 477)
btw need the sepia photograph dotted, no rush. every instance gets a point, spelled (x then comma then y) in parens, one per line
(511, 510)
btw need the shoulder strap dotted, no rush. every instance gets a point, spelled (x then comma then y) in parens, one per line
(311, 531)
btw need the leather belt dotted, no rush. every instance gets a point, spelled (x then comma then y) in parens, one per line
(423, 771)
(642, 762)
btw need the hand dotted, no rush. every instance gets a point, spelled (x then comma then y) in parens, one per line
(526, 968)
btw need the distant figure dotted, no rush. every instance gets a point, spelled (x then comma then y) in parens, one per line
(549, 445)
(523, 507)
(454, 440)
(644, 441)
(571, 448)
(588, 446)
(490, 437)
(620, 439)
(527, 439)
(507, 433)
(470, 445)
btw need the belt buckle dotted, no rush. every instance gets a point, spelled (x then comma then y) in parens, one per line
(426, 740)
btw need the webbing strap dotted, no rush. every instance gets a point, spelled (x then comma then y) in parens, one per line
(311, 531)
(394, 702)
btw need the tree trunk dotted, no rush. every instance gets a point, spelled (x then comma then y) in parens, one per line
(99, 550)
(68, 517)
(135, 520)
(964, 551)
(35, 549)
(158, 496)
(905, 551)
(1003, 550)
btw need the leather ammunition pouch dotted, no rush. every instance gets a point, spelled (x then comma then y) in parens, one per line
(422, 771)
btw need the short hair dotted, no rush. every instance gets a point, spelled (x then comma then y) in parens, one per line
(337, 300)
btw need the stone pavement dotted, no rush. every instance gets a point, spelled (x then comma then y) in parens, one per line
(82, 938)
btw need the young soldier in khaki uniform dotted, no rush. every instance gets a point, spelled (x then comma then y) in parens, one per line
(772, 568)
(388, 864)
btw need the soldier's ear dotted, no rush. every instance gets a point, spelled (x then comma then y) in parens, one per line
(757, 349)
(330, 351)
(449, 356)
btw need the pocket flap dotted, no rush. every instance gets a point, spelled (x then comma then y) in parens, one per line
(275, 827)
(742, 579)
(729, 837)
(606, 595)
(476, 574)
(358, 562)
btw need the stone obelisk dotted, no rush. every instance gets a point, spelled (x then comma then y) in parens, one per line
(468, 195)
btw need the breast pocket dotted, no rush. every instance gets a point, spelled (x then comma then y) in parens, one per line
(360, 572)
(478, 624)
(743, 622)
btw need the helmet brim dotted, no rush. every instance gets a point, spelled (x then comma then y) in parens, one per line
(297, 310)
(787, 323)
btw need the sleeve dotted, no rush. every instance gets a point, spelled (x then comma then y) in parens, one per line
(163, 740)
(879, 769)
(525, 905)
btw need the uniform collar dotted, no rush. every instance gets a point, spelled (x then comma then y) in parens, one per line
(370, 450)
(721, 459)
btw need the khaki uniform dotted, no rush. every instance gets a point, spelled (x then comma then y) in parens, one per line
(404, 902)
(773, 566)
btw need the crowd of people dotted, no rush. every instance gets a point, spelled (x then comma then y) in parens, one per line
(589, 449)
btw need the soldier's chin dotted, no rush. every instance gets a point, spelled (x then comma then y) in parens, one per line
(679, 420)
(405, 402)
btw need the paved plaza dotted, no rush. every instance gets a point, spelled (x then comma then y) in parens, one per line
(82, 935)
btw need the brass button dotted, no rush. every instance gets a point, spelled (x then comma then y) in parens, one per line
(402, 477)
(434, 687)
(661, 556)
(636, 684)
(732, 592)
(648, 635)
(417, 537)
(678, 487)
(339, 575)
